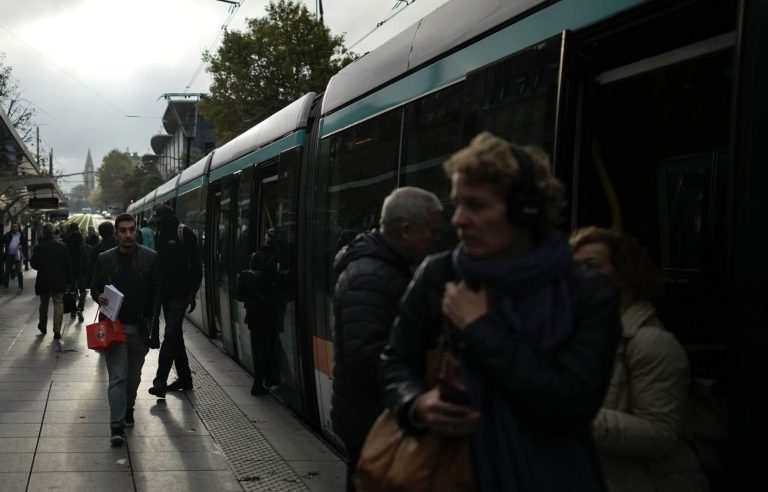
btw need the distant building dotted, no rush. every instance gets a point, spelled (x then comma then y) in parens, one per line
(89, 178)
(189, 137)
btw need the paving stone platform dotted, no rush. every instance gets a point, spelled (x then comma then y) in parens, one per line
(54, 420)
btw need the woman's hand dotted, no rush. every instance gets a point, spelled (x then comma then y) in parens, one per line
(442, 417)
(462, 305)
(103, 301)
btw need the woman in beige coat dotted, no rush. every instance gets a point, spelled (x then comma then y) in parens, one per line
(637, 431)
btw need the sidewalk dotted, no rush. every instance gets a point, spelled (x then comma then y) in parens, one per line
(54, 420)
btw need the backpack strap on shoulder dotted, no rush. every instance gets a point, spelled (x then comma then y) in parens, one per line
(180, 234)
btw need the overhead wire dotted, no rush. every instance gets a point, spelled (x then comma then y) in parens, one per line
(232, 12)
(379, 24)
(86, 86)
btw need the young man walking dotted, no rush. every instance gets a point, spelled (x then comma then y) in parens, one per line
(179, 258)
(133, 270)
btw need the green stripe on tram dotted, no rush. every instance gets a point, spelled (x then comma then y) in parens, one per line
(260, 155)
(564, 15)
(192, 185)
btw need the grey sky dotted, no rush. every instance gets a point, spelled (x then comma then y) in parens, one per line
(96, 68)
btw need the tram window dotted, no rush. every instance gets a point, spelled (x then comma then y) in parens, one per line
(362, 170)
(243, 231)
(687, 209)
(242, 254)
(657, 140)
(267, 208)
(516, 98)
(188, 210)
(432, 132)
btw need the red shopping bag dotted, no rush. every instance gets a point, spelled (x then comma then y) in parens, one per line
(102, 334)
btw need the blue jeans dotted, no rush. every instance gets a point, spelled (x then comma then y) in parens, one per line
(173, 351)
(124, 363)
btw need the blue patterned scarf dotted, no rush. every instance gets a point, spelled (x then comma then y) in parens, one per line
(530, 297)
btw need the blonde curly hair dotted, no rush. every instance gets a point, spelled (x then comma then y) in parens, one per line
(488, 159)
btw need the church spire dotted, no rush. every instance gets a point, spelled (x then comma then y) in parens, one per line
(89, 177)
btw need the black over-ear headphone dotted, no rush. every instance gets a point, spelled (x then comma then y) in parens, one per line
(524, 201)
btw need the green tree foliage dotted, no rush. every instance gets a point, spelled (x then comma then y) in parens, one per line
(122, 179)
(278, 59)
(18, 109)
(146, 178)
(115, 178)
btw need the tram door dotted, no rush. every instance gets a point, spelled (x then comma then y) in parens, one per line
(222, 208)
(293, 341)
(277, 195)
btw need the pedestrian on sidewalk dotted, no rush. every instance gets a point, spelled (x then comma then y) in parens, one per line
(133, 270)
(78, 258)
(54, 274)
(14, 252)
(176, 246)
(264, 314)
(536, 334)
(146, 235)
(93, 238)
(107, 242)
(374, 271)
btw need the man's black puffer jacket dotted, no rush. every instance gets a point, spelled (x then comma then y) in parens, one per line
(560, 396)
(372, 279)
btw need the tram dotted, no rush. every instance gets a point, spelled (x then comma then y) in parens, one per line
(648, 109)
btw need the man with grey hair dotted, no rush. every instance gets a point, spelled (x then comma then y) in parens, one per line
(374, 270)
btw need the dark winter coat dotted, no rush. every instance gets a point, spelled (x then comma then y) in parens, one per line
(372, 279)
(180, 262)
(78, 254)
(271, 288)
(555, 400)
(137, 275)
(51, 260)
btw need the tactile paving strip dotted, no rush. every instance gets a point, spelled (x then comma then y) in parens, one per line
(255, 462)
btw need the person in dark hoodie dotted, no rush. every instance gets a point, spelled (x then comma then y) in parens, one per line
(78, 258)
(176, 246)
(264, 314)
(374, 270)
(107, 242)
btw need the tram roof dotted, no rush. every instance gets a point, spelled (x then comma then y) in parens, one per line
(20, 175)
(146, 200)
(167, 188)
(196, 170)
(444, 29)
(290, 118)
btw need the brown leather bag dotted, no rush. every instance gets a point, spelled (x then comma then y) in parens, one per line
(393, 461)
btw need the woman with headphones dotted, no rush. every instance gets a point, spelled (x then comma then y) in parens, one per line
(535, 332)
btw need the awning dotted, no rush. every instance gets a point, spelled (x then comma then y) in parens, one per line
(20, 177)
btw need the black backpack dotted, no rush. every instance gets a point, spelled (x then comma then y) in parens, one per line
(256, 285)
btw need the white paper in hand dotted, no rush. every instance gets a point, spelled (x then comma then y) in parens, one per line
(115, 300)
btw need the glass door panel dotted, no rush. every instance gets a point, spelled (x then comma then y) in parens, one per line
(242, 250)
(214, 315)
(223, 264)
